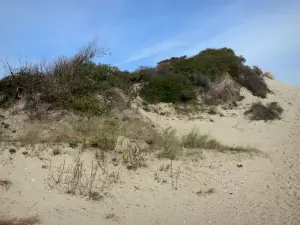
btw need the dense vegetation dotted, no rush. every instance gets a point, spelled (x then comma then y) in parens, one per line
(77, 82)
(199, 73)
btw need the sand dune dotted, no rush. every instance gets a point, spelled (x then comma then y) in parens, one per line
(263, 189)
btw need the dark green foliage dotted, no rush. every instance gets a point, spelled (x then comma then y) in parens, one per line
(175, 79)
(257, 70)
(212, 63)
(142, 74)
(74, 143)
(87, 104)
(168, 88)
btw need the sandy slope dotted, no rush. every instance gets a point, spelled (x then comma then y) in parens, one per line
(266, 190)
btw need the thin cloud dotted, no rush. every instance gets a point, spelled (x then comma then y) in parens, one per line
(153, 50)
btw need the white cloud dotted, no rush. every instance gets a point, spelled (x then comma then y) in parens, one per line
(153, 50)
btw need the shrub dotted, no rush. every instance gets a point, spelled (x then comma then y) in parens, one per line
(200, 80)
(168, 88)
(106, 137)
(260, 112)
(224, 91)
(142, 74)
(257, 70)
(253, 82)
(212, 63)
(88, 104)
(70, 82)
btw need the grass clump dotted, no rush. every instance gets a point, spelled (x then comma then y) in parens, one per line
(271, 111)
(196, 140)
(169, 143)
(172, 146)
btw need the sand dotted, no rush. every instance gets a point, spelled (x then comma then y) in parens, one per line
(263, 189)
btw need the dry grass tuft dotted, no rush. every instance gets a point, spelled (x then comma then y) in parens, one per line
(36, 132)
(137, 128)
(196, 140)
(169, 144)
(23, 221)
(269, 75)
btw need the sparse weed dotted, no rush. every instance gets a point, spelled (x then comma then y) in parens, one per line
(134, 157)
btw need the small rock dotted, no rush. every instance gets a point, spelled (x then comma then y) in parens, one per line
(13, 131)
(25, 153)
(12, 151)
(239, 165)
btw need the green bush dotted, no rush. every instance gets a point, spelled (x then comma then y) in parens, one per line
(69, 83)
(106, 137)
(73, 82)
(88, 104)
(212, 63)
(168, 88)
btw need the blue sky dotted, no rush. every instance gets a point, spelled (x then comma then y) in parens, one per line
(141, 33)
